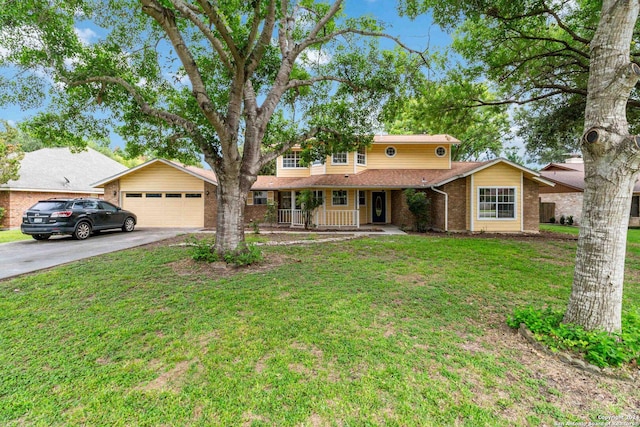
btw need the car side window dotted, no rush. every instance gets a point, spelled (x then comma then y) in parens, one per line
(108, 207)
(90, 205)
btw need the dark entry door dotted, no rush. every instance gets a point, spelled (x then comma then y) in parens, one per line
(379, 206)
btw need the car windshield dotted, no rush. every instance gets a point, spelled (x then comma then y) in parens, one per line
(48, 205)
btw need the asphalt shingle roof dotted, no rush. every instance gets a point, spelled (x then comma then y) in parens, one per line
(60, 169)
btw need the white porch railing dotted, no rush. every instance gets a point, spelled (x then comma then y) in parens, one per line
(328, 218)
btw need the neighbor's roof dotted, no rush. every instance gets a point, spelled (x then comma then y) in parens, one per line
(206, 175)
(570, 175)
(388, 178)
(61, 170)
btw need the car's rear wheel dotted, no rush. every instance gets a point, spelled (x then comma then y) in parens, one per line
(41, 236)
(129, 224)
(83, 230)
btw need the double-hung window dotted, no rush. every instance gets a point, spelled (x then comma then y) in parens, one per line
(339, 158)
(361, 156)
(291, 160)
(496, 203)
(339, 198)
(259, 197)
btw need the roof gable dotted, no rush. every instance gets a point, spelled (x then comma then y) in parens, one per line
(203, 174)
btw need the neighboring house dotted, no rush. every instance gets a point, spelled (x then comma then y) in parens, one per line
(358, 188)
(567, 194)
(54, 172)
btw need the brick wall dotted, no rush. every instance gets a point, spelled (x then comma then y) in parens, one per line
(210, 205)
(566, 204)
(5, 202)
(400, 214)
(112, 192)
(458, 204)
(531, 208)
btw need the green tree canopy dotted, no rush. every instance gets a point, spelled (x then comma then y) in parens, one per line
(10, 153)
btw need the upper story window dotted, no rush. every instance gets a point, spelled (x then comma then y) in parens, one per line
(339, 158)
(441, 151)
(390, 151)
(361, 156)
(496, 203)
(291, 160)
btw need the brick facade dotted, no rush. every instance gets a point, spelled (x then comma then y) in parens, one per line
(566, 204)
(531, 208)
(210, 205)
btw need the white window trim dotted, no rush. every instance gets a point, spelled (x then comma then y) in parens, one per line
(334, 163)
(515, 203)
(346, 198)
(364, 163)
(266, 197)
(297, 161)
(395, 151)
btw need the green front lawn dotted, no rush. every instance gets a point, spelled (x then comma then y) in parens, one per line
(402, 330)
(12, 236)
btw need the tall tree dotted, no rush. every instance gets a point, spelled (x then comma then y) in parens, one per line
(537, 54)
(612, 164)
(442, 106)
(189, 78)
(10, 153)
(567, 54)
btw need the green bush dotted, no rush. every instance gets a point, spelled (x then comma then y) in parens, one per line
(597, 347)
(419, 205)
(202, 249)
(2, 211)
(245, 255)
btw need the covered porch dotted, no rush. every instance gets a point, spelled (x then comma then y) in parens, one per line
(340, 208)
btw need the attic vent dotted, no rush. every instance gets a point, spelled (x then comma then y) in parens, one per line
(390, 151)
(441, 151)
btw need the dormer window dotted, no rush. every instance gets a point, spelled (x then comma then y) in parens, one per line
(390, 151)
(339, 158)
(441, 151)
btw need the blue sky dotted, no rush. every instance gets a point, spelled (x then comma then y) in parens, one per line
(417, 34)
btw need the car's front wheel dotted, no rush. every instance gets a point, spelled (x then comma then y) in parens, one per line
(129, 224)
(83, 230)
(41, 236)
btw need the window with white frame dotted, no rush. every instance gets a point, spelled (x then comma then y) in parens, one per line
(496, 203)
(291, 160)
(319, 195)
(259, 197)
(339, 198)
(339, 158)
(361, 156)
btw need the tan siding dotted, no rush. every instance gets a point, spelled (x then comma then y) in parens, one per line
(500, 175)
(160, 177)
(408, 156)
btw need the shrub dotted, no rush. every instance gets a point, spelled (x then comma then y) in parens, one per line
(271, 215)
(552, 220)
(570, 220)
(202, 249)
(244, 255)
(597, 347)
(2, 211)
(562, 220)
(418, 205)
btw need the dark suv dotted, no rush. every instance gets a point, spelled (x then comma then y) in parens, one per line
(78, 217)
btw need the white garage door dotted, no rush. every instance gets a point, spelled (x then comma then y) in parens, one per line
(166, 209)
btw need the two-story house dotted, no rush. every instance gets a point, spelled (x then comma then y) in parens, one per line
(357, 188)
(366, 187)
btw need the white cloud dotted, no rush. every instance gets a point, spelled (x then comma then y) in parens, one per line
(315, 57)
(86, 35)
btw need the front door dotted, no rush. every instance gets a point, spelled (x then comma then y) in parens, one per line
(379, 206)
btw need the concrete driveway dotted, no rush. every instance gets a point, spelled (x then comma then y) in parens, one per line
(31, 255)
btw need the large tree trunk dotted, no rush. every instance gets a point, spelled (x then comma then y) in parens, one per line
(233, 189)
(611, 169)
